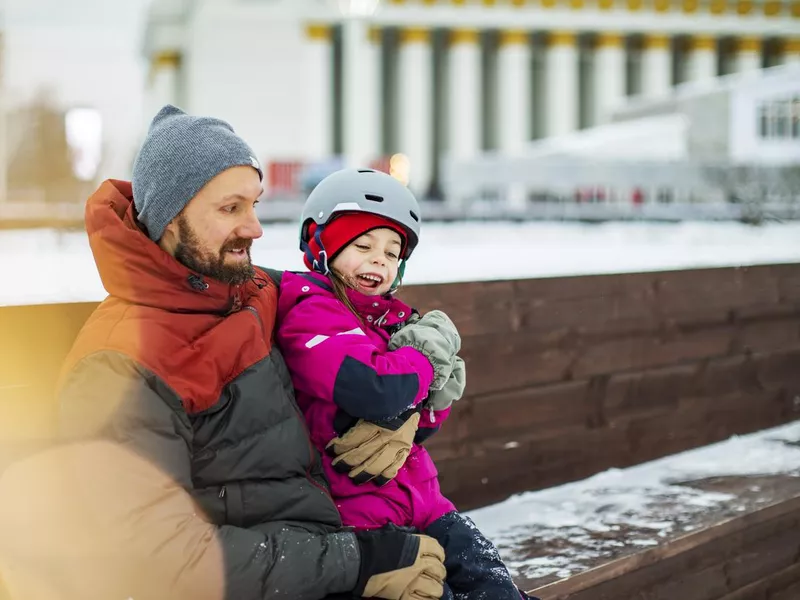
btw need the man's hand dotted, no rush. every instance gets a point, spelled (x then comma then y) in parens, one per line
(374, 452)
(400, 566)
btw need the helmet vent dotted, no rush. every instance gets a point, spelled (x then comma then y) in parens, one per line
(366, 170)
(414, 215)
(373, 198)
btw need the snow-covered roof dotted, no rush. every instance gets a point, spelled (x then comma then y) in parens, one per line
(662, 137)
(789, 73)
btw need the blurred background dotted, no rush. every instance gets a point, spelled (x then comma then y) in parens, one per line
(545, 113)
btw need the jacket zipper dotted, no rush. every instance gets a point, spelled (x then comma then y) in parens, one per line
(254, 310)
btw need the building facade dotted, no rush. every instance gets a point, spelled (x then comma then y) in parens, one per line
(426, 80)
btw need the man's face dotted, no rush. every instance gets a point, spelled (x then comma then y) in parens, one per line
(213, 234)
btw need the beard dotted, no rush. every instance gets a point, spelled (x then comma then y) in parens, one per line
(191, 253)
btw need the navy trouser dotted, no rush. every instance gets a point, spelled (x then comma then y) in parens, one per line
(475, 570)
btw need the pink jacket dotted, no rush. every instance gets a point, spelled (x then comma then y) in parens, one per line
(342, 369)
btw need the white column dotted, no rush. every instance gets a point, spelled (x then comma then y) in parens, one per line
(701, 59)
(656, 66)
(791, 52)
(163, 85)
(319, 71)
(374, 113)
(514, 90)
(415, 106)
(609, 75)
(748, 54)
(361, 97)
(561, 83)
(464, 100)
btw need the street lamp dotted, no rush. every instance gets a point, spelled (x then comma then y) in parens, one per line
(359, 88)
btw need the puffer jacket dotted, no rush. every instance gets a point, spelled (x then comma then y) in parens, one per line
(343, 370)
(181, 371)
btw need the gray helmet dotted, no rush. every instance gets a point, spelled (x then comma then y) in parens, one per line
(362, 190)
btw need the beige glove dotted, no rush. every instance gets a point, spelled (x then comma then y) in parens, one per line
(372, 452)
(419, 574)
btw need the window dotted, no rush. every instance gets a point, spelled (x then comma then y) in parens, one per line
(779, 119)
(782, 119)
(763, 121)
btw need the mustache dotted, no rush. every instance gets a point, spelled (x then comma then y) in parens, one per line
(237, 244)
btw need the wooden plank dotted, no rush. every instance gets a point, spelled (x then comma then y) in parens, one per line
(36, 339)
(727, 375)
(584, 286)
(592, 315)
(531, 409)
(788, 282)
(766, 336)
(647, 392)
(767, 588)
(767, 311)
(763, 558)
(636, 353)
(691, 584)
(505, 362)
(703, 420)
(724, 289)
(776, 370)
(790, 593)
(589, 581)
(476, 308)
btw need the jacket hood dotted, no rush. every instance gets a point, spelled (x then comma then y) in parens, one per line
(134, 268)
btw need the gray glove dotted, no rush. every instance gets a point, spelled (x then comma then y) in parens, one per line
(435, 335)
(453, 389)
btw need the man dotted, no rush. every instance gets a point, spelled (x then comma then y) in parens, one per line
(187, 470)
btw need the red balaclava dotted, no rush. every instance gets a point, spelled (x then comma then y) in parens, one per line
(342, 230)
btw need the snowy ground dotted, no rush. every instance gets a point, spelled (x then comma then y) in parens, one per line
(43, 266)
(561, 531)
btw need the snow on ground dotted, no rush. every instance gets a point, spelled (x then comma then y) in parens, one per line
(560, 531)
(43, 266)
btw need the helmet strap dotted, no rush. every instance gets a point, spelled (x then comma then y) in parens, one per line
(321, 265)
(318, 263)
(401, 271)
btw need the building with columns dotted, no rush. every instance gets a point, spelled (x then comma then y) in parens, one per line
(426, 80)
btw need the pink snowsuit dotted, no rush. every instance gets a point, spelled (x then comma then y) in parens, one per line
(340, 363)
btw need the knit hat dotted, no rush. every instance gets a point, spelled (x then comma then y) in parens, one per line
(342, 230)
(179, 156)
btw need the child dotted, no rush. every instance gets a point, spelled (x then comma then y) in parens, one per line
(356, 352)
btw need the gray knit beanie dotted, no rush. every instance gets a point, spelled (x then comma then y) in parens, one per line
(179, 156)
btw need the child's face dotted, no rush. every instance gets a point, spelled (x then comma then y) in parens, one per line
(370, 262)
